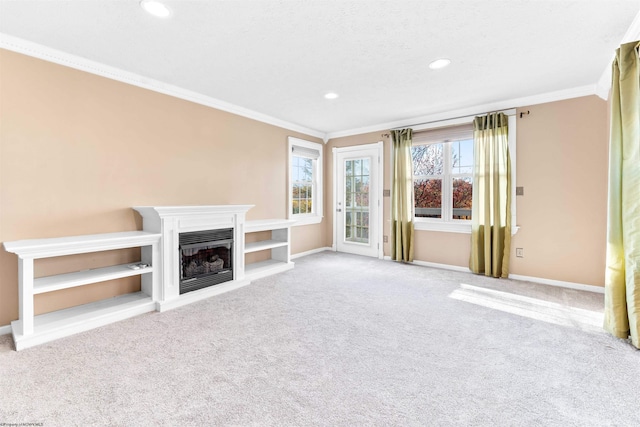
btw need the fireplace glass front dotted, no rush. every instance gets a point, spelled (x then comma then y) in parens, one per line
(206, 259)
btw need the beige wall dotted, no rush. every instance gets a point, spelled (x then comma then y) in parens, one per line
(562, 165)
(562, 150)
(78, 150)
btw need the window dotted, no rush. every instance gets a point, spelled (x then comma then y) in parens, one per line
(443, 175)
(305, 181)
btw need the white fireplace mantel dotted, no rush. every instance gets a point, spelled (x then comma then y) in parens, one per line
(170, 221)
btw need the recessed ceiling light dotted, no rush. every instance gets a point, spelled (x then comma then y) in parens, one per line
(331, 95)
(439, 63)
(155, 8)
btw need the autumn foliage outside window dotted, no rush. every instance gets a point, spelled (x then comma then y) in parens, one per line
(443, 179)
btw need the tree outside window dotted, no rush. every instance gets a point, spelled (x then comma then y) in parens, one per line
(443, 180)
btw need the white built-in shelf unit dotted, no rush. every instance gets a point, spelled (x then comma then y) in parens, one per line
(30, 330)
(279, 244)
(159, 280)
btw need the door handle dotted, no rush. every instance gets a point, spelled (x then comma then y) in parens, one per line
(338, 210)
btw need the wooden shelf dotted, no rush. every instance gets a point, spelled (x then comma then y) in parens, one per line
(263, 245)
(85, 277)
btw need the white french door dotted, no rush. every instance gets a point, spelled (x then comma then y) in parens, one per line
(357, 204)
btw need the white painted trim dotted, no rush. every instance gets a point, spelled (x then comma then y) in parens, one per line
(4, 330)
(604, 82)
(539, 280)
(478, 109)
(380, 199)
(442, 266)
(39, 51)
(421, 224)
(311, 252)
(334, 155)
(318, 198)
(558, 283)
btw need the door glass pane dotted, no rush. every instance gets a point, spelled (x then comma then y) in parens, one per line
(356, 190)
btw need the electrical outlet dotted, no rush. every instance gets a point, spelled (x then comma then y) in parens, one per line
(520, 252)
(519, 191)
(385, 239)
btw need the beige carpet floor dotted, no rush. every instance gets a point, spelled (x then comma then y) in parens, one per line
(339, 341)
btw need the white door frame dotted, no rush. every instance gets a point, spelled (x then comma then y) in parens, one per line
(380, 211)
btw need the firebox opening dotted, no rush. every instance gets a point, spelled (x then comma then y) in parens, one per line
(206, 259)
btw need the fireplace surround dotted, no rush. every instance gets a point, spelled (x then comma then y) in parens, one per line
(177, 225)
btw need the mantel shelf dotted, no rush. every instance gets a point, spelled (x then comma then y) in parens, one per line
(85, 277)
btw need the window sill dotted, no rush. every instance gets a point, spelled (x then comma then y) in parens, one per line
(447, 227)
(306, 220)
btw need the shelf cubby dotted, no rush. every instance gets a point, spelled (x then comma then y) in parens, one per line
(278, 243)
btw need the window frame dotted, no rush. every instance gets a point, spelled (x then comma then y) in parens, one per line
(317, 183)
(464, 226)
(446, 222)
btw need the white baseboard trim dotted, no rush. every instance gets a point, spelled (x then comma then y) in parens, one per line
(4, 330)
(540, 280)
(442, 266)
(559, 283)
(311, 252)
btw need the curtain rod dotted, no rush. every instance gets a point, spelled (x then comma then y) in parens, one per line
(511, 110)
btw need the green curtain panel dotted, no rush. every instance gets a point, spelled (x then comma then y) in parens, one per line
(402, 197)
(622, 276)
(491, 207)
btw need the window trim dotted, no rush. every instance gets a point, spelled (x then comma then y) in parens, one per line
(464, 226)
(318, 194)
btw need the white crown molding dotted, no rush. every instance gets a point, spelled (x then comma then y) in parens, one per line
(542, 98)
(604, 82)
(39, 51)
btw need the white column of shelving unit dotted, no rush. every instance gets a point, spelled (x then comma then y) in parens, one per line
(25, 295)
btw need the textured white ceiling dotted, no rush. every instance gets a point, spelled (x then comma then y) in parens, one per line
(278, 58)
